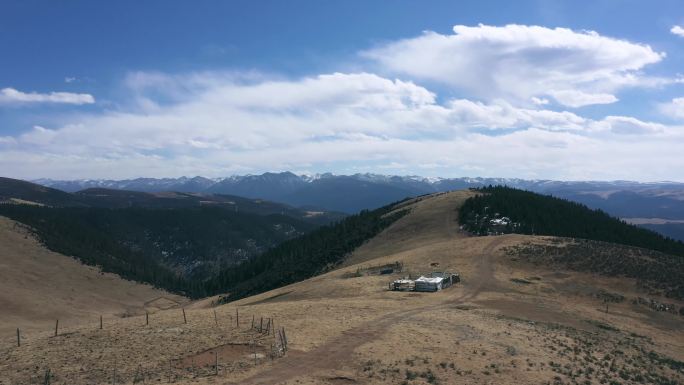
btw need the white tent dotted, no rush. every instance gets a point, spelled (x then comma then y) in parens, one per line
(429, 284)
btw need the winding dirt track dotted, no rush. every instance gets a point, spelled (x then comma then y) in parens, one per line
(338, 351)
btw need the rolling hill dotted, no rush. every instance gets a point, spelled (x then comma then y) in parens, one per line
(38, 286)
(170, 240)
(19, 191)
(521, 315)
(164, 247)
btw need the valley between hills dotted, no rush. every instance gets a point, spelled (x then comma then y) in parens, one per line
(513, 318)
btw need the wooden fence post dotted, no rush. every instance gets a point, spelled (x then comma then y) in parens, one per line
(261, 325)
(252, 321)
(56, 327)
(147, 318)
(100, 322)
(282, 341)
(216, 362)
(18, 338)
(285, 337)
(185, 320)
(48, 376)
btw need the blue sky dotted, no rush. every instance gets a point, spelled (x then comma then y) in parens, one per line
(531, 89)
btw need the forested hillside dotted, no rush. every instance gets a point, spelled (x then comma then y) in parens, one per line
(199, 251)
(507, 210)
(156, 245)
(303, 257)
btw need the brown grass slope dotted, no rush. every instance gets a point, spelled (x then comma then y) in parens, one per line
(509, 322)
(38, 286)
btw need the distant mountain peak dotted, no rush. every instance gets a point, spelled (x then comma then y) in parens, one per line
(351, 193)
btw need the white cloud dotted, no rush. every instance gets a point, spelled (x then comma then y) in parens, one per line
(219, 124)
(539, 101)
(677, 30)
(13, 96)
(518, 62)
(628, 125)
(7, 140)
(576, 98)
(501, 115)
(673, 109)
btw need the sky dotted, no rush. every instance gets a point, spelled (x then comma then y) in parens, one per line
(565, 90)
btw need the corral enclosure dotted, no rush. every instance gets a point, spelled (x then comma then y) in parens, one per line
(175, 345)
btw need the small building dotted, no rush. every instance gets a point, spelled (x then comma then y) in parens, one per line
(435, 281)
(429, 283)
(403, 285)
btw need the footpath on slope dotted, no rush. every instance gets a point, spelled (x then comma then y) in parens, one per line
(338, 351)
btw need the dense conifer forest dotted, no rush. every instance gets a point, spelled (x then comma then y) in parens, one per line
(169, 248)
(501, 209)
(199, 251)
(303, 257)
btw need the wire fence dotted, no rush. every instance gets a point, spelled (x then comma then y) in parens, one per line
(235, 344)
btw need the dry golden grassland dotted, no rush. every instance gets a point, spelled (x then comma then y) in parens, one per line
(38, 286)
(507, 322)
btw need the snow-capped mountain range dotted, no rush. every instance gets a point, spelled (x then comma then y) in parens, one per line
(269, 184)
(633, 201)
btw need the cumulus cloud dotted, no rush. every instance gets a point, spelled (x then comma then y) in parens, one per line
(539, 101)
(576, 98)
(519, 62)
(677, 30)
(217, 124)
(673, 109)
(13, 96)
(628, 125)
(501, 115)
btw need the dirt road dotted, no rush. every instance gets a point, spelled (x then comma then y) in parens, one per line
(338, 351)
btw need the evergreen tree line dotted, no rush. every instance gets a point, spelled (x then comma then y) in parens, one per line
(532, 213)
(152, 245)
(72, 232)
(303, 257)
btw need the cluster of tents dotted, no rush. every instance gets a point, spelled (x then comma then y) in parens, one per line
(433, 282)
